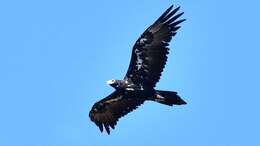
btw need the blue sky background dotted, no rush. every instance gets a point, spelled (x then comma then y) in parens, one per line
(55, 57)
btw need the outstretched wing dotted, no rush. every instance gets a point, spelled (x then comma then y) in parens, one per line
(149, 54)
(106, 112)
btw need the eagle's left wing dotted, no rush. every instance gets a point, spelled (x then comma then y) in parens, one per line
(150, 51)
(106, 112)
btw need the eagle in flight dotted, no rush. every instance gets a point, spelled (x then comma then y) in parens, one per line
(149, 56)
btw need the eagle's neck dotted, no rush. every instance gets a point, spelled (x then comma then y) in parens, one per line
(120, 85)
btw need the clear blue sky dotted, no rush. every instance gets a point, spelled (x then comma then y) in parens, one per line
(55, 57)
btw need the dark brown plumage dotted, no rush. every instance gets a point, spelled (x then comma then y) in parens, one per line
(149, 56)
(111, 108)
(152, 49)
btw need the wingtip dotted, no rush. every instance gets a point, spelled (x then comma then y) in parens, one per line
(181, 13)
(177, 9)
(112, 126)
(165, 13)
(173, 19)
(178, 22)
(107, 128)
(169, 9)
(171, 6)
(100, 126)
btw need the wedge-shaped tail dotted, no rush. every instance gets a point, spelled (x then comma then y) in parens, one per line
(168, 98)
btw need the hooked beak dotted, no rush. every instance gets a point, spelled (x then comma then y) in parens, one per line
(109, 82)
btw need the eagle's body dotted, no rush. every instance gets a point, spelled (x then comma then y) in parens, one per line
(148, 59)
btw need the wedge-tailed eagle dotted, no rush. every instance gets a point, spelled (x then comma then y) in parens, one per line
(149, 56)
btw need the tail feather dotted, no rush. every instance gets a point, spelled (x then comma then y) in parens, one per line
(168, 98)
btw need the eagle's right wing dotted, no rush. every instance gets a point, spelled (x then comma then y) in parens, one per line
(107, 111)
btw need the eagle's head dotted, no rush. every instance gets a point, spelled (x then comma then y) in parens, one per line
(114, 83)
(110, 82)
